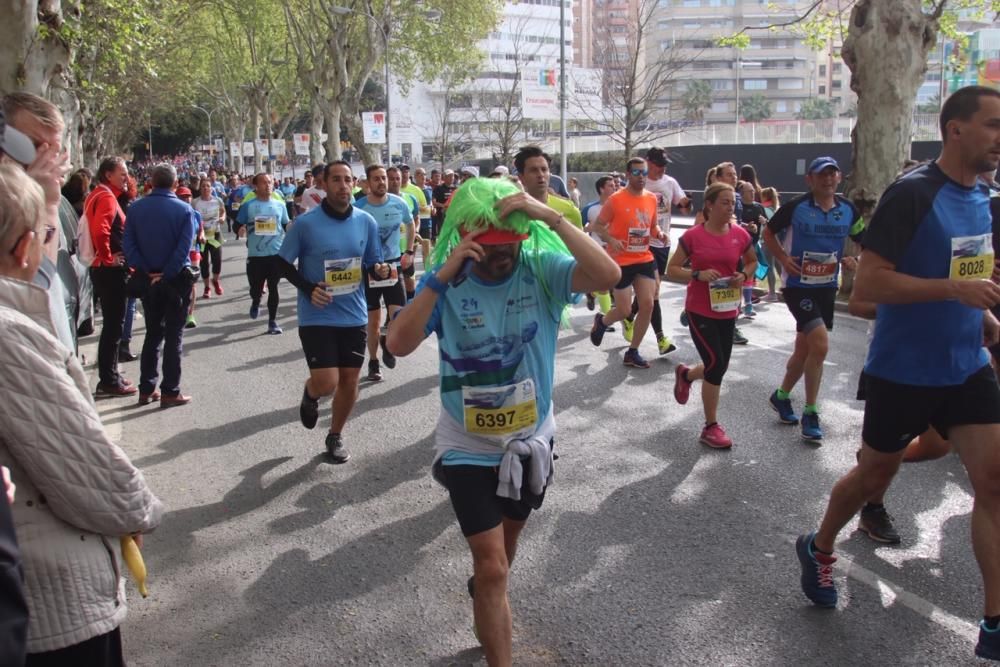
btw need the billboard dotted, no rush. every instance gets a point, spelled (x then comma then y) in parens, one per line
(301, 143)
(373, 123)
(540, 93)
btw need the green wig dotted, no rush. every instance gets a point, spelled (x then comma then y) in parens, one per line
(474, 207)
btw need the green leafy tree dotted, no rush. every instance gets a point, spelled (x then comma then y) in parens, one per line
(932, 105)
(816, 108)
(697, 99)
(754, 108)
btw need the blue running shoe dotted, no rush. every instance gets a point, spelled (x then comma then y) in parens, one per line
(254, 310)
(597, 330)
(784, 409)
(811, 432)
(989, 642)
(817, 573)
(273, 328)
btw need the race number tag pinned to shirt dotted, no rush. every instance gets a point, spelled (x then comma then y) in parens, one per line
(265, 225)
(638, 239)
(236, 205)
(972, 257)
(818, 268)
(509, 411)
(386, 282)
(342, 276)
(723, 297)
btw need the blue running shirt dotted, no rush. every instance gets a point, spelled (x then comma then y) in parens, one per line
(389, 216)
(317, 237)
(929, 226)
(272, 217)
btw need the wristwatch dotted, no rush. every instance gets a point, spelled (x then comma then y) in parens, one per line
(694, 275)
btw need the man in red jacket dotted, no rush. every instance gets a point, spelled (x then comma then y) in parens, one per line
(109, 272)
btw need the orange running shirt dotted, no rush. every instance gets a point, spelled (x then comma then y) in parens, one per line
(632, 220)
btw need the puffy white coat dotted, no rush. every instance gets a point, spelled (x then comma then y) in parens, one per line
(77, 491)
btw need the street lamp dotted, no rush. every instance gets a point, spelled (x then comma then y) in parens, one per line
(430, 15)
(209, 115)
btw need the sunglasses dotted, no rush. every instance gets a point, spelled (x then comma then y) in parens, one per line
(50, 232)
(639, 172)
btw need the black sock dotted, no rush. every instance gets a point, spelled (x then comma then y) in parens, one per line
(817, 549)
(872, 506)
(707, 424)
(686, 378)
(409, 296)
(992, 622)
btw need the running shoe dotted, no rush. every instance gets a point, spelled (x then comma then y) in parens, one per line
(684, 318)
(308, 409)
(206, 294)
(217, 285)
(784, 409)
(628, 327)
(591, 302)
(773, 297)
(387, 357)
(989, 642)
(738, 337)
(682, 386)
(597, 330)
(335, 449)
(749, 313)
(811, 432)
(664, 345)
(817, 572)
(634, 359)
(254, 310)
(374, 373)
(715, 437)
(190, 323)
(273, 328)
(876, 523)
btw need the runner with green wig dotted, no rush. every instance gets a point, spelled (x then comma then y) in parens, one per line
(504, 269)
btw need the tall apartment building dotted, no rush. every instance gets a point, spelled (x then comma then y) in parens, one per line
(777, 64)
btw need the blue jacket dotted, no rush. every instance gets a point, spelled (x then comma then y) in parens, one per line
(159, 233)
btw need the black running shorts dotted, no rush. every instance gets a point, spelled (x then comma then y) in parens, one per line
(629, 273)
(394, 295)
(811, 306)
(660, 256)
(897, 413)
(333, 347)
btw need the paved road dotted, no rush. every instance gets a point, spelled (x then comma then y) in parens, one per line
(651, 549)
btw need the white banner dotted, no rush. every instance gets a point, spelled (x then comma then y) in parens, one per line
(301, 144)
(218, 145)
(540, 93)
(234, 148)
(262, 146)
(278, 147)
(373, 123)
(247, 149)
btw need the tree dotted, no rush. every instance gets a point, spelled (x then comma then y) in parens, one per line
(450, 137)
(697, 99)
(754, 108)
(816, 108)
(36, 44)
(633, 88)
(933, 105)
(501, 101)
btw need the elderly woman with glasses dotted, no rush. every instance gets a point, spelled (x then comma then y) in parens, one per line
(77, 492)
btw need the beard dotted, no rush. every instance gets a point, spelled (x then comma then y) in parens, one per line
(499, 262)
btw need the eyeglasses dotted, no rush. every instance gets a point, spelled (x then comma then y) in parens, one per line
(50, 231)
(639, 172)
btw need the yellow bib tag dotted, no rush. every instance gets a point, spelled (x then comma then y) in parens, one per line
(265, 226)
(342, 276)
(723, 298)
(972, 257)
(508, 411)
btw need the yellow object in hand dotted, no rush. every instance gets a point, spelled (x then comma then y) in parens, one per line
(133, 558)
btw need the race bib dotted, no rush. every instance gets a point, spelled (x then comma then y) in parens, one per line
(386, 282)
(724, 299)
(638, 239)
(265, 226)
(342, 276)
(236, 205)
(972, 257)
(509, 411)
(818, 268)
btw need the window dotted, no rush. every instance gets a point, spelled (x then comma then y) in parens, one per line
(781, 106)
(837, 68)
(837, 84)
(720, 107)
(822, 89)
(754, 84)
(691, 3)
(721, 84)
(691, 25)
(822, 70)
(791, 84)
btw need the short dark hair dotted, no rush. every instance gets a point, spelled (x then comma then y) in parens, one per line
(394, 168)
(526, 153)
(258, 175)
(962, 105)
(108, 165)
(327, 167)
(435, 171)
(372, 167)
(318, 169)
(601, 182)
(631, 161)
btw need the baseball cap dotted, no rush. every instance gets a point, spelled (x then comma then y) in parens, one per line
(821, 163)
(500, 170)
(449, 171)
(657, 156)
(403, 166)
(496, 236)
(183, 191)
(15, 143)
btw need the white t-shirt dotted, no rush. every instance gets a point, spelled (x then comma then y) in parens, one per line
(668, 194)
(311, 198)
(211, 209)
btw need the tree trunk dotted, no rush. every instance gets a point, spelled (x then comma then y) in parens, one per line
(241, 133)
(331, 118)
(357, 135)
(316, 134)
(28, 61)
(886, 50)
(258, 162)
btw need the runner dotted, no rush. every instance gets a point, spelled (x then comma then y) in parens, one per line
(426, 225)
(195, 253)
(668, 194)
(265, 219)
(213, 212)
(390, 211)
(605, 186)
(806, 237)
(304, 185)
(497, 398)
(442, 197)
(715, 281)
(407, 244)
(235, 202)
(333, 244)
(626, 223)
(313, 195)
(533, 166)
(926, 263)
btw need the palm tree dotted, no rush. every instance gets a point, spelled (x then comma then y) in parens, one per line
(697, 99)
(755, 108)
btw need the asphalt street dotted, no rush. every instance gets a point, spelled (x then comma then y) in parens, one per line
(650, 549)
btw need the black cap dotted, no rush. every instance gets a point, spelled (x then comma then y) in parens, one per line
(657, 156)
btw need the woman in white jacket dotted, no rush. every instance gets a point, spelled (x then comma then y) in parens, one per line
(77, 491)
